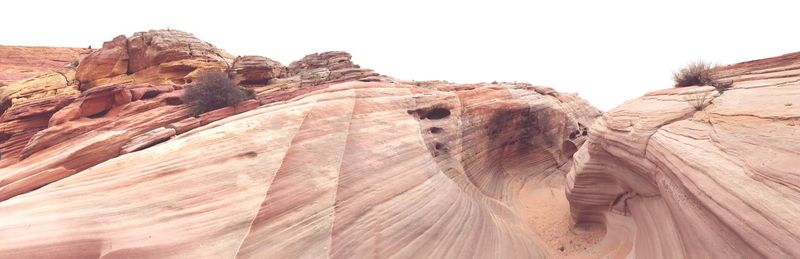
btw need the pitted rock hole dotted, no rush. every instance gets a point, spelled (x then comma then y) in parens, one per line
(436, 114)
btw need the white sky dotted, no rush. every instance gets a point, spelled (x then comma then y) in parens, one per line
(607, 51)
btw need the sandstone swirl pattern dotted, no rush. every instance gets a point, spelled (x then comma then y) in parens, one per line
(670, 181)
(336, 162)
(355, 170)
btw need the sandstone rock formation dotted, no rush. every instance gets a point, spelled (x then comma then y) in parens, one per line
(27, 106)
(333, 66)
(110, 61)
(669, 178)
(352, 170)
(336, 161)
(256, 70)
(18, 62)
(156, 56)
(346, 164)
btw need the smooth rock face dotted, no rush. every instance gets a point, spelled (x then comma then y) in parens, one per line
(18, 62)
(671, 181)
(351, 170)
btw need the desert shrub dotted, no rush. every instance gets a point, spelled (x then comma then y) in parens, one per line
(249, 93)
(699, 73)
(213, 90)
(696, 73)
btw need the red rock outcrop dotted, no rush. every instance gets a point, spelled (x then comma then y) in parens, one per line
(110, 61)
(165, 58)
(692, 173)
(256, 70)
(332, 66)
(332, 60)
(26, 105)
(156, 56)
(18, 62)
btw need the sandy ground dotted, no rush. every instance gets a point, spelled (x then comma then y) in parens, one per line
(547, 209)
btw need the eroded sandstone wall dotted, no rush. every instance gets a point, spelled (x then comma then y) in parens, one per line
(678, 181)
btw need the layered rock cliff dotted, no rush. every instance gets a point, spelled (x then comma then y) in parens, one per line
(331, 160)
(693, 173)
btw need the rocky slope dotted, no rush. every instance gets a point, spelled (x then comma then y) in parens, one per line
(18, 62)
(673, 177)
(331, 160)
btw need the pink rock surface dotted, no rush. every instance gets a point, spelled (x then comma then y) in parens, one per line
(20, 62)
(677, 182)
(335, 161)
(352, 170)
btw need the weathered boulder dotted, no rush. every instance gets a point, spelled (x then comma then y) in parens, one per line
(669, 176)
(110, 61)
(256, 70)
(156, 56)
(331, 60)
(157, 47)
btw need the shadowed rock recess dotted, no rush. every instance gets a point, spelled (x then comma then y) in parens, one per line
(332, 160)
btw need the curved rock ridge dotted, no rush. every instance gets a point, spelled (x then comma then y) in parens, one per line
(349, 170)
(671, 177)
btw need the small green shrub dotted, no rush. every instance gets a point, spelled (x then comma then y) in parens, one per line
(213, 90)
